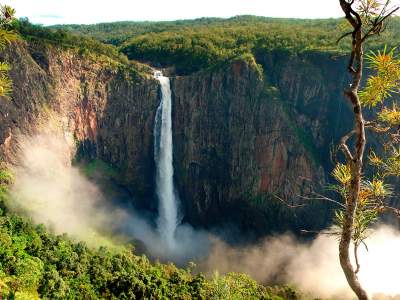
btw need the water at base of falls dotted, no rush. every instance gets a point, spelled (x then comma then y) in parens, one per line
(163, 155)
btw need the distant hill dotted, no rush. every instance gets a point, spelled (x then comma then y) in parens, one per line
(118, 32)
(191, 45)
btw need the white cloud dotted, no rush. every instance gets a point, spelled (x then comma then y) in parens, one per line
(95, 11)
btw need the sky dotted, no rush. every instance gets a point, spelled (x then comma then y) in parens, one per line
(48, 12)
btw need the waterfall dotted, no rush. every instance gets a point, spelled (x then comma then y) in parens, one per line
(167, 199)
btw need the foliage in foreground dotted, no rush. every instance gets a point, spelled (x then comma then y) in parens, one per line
(6, 37)
(363, 198)
(36, 264)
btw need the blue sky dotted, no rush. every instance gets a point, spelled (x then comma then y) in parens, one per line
(92, 11)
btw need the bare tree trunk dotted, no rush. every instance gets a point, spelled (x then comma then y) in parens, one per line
(354, 160)
(373, 25)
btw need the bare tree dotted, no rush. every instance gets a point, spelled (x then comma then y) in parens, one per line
(367, 18)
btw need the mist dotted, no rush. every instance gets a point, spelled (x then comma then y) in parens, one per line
(53, 192)
(314, 267)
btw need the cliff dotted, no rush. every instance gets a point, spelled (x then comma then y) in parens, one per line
(105, 108)
(247, 136)
(246, 139)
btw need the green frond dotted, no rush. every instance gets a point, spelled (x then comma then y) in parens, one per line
(369, 8)
(362, 222)
(375, 160)
(4, 68)
(339, 218)
(390, 116)
(7, 14)
(388, 166)
(5, 81)
(378, 188)
(392, 163)
(382, 61)
(7, 11)
(385, 82)
(6, 37)
(342, 173)
(377, 90)
(5, 86)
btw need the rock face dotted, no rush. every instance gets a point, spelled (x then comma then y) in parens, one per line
(107, 109)
(242, 138)
(243, 133)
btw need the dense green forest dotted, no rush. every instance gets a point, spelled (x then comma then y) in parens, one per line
(197, 44)
(192, 45)
(64, 39)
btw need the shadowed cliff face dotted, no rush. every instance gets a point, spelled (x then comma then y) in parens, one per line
(241, 135)
(311, 87)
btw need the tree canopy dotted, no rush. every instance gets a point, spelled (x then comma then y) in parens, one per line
(191, 45)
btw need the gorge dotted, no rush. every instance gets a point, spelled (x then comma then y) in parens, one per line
(206, 160)
(241, 134)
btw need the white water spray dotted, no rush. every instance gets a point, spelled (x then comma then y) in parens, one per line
(167, 207)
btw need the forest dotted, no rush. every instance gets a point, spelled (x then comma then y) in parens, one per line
(197, 44)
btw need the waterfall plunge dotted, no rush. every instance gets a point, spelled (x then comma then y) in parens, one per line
(167, 207)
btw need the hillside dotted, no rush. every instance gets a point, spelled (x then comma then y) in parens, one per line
(191, 45)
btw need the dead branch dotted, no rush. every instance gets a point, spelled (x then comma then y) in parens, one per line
(287, 204)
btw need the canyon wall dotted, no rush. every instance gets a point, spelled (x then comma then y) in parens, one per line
(247, 136)
(105, 108)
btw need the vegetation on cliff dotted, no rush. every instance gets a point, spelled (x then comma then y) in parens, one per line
(66, 40)
(34, 263)
(195, 44)
(6, 37)
(192, 45)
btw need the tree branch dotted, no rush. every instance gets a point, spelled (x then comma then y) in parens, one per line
(343, 36)
(377, 27)
(343, 145)
(374, 126)
(322, 197)
(287, 204)
(356, 258)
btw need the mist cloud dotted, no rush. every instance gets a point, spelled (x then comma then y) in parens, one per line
(56, 194)
(314, 267)
(53, 192)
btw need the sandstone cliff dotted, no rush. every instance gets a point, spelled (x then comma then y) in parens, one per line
(106, 108)
(243, 137)
(243, 133)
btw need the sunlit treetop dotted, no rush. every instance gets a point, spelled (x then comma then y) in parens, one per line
(384, 83)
